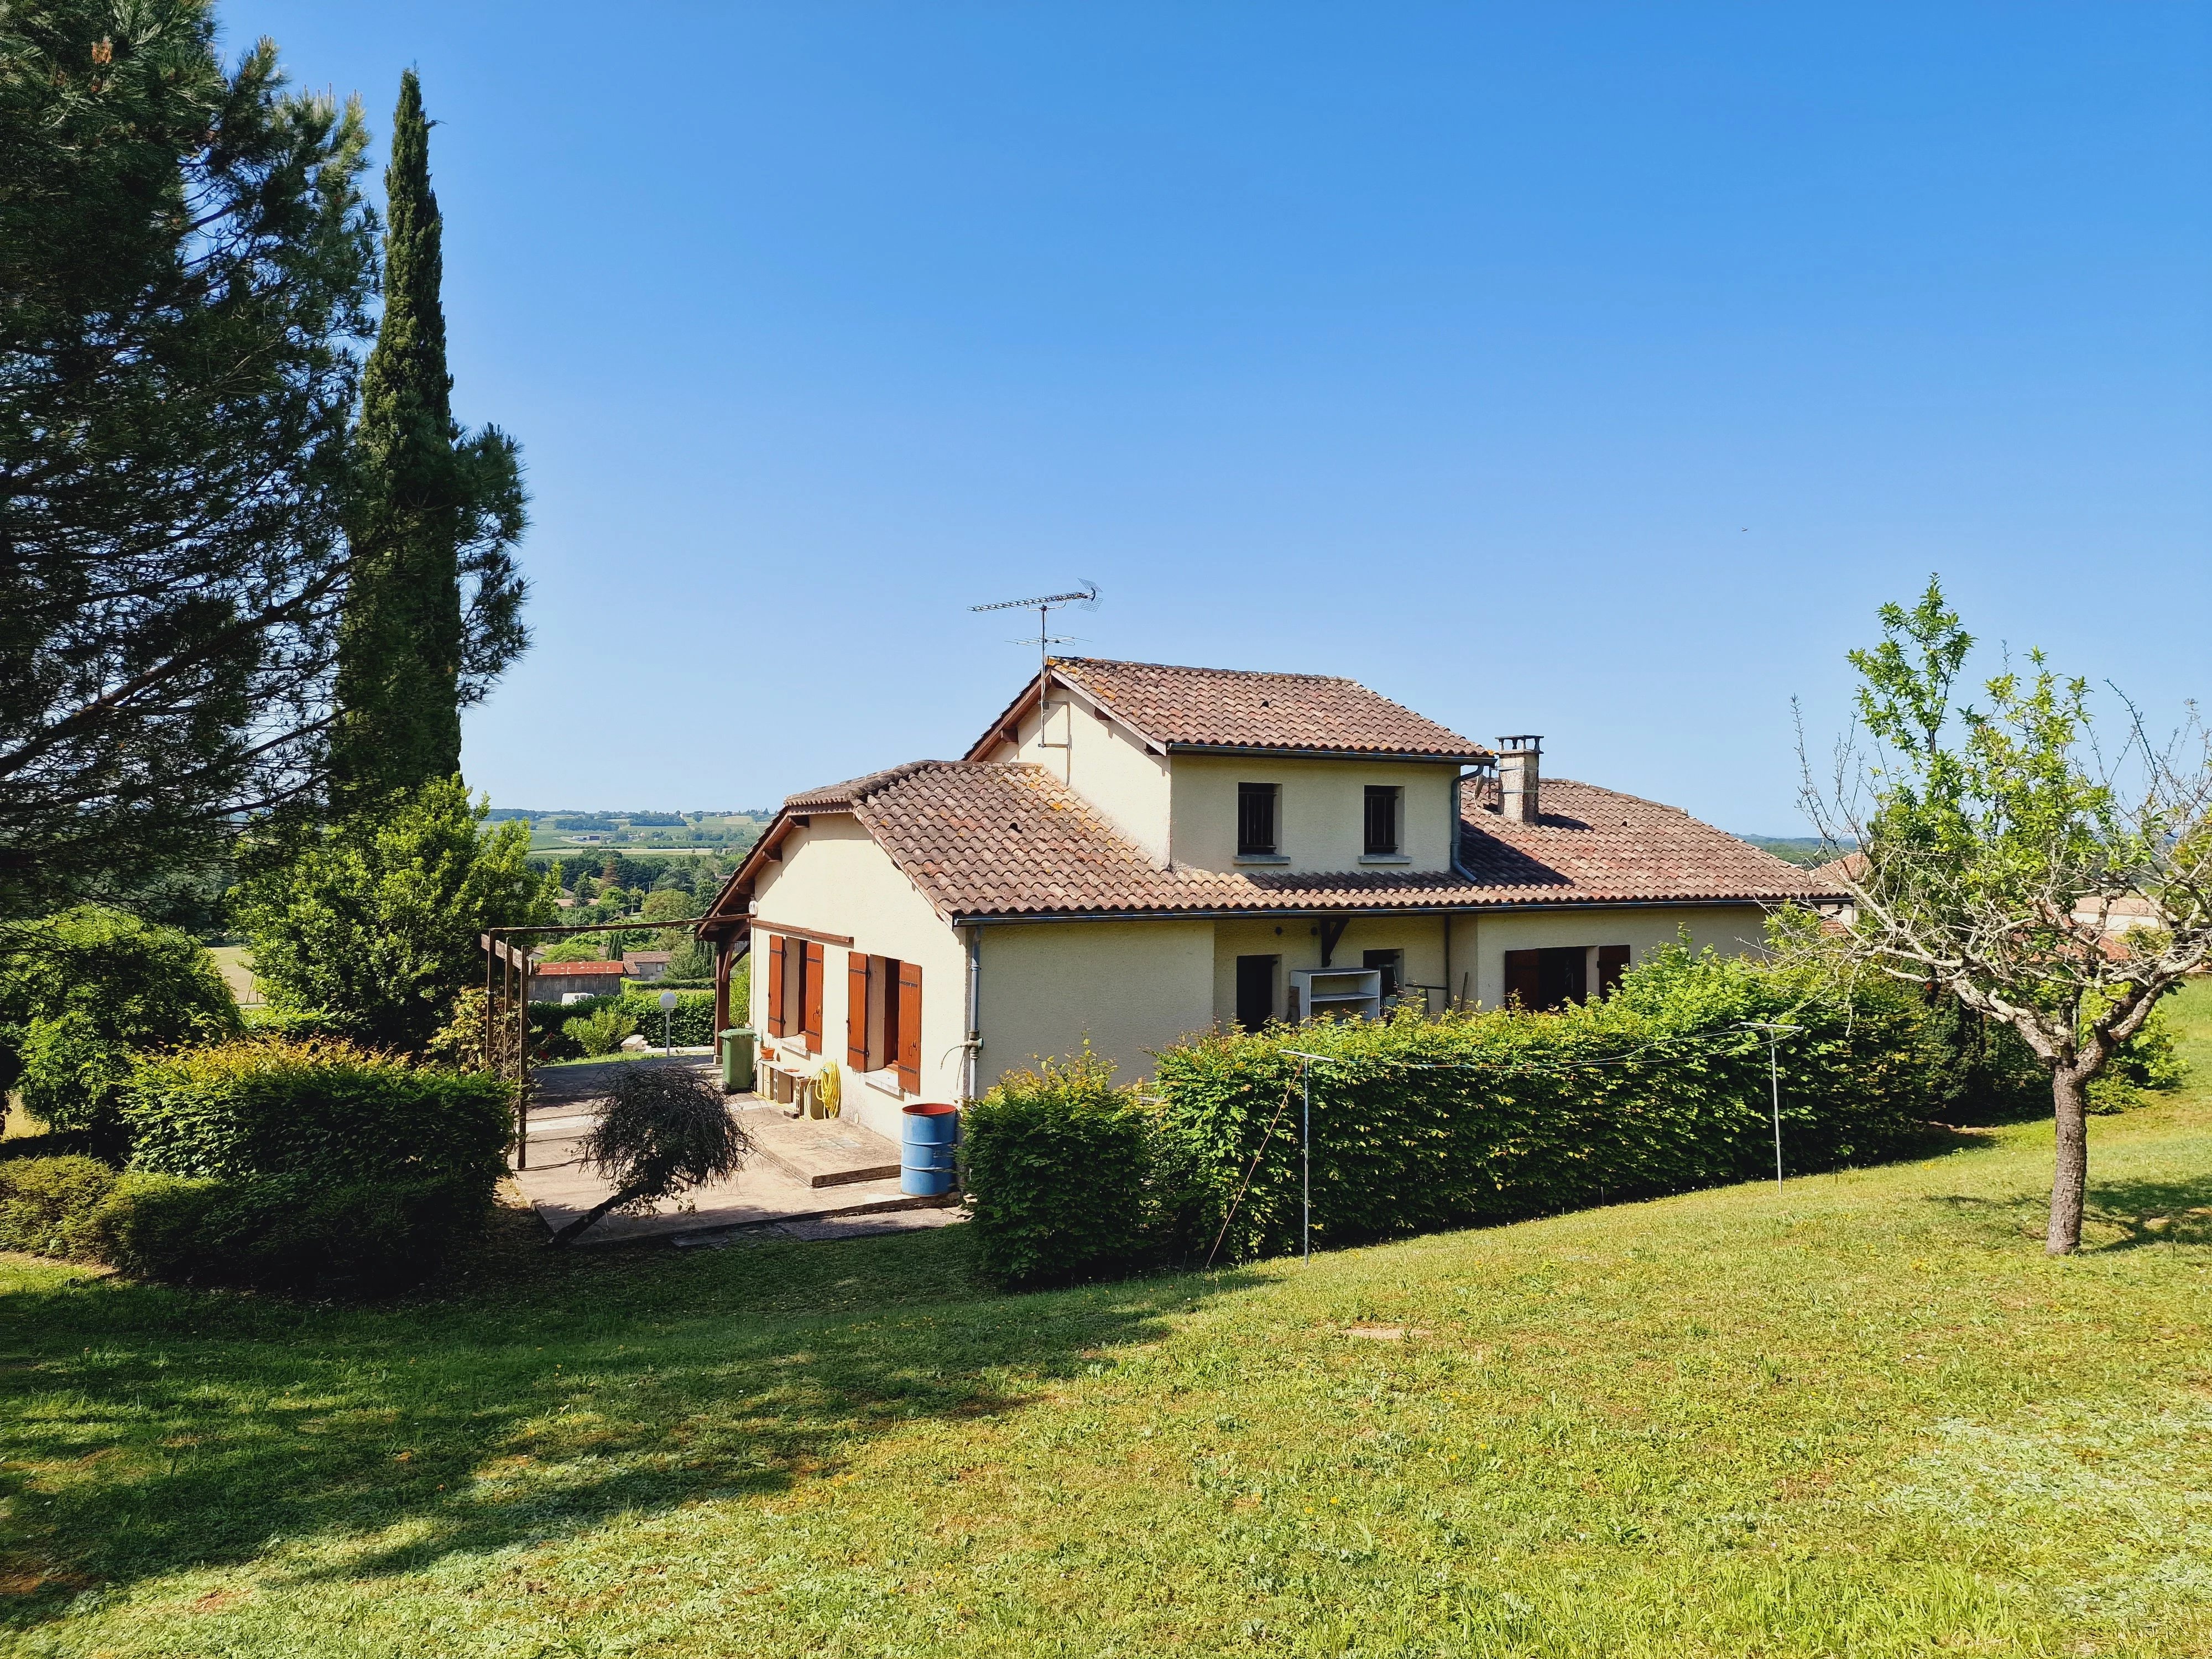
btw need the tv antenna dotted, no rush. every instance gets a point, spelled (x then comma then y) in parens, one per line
(1044, 605)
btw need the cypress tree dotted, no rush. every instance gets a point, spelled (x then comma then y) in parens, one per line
(434, 511)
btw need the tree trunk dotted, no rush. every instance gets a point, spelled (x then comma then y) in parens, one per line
(2070, 1175)
(637, 1189)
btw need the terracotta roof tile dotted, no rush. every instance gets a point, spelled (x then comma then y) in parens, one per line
(989, 839)
(563, 969)
(1232, 708)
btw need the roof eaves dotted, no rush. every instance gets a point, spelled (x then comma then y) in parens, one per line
(1287, 752)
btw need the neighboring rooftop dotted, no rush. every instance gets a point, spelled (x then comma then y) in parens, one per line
(1230, 708)
(564, 969)
(1004, 839)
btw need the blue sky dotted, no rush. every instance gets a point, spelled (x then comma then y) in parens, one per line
(1582, 369)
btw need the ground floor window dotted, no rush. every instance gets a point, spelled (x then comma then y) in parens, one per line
(1553, 978)
(882, 1017)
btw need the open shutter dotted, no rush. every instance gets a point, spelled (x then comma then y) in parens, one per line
(1612, 963)
(856, 1010)
(1525, 978)
(814, 971)
(909, 1032)
(775, 962)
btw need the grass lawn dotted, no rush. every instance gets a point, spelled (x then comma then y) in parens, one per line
(1867, 1417)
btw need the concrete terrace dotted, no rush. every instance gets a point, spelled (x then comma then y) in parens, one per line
(808, 1178)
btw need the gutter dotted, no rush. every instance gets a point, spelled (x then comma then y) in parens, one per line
(1256, 915)
(1262, 751)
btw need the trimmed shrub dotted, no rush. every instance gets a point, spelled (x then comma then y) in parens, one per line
(83, 990)
(292, 1233)
(294, 1024)
(691, 1021)
(600, 1032)
(1059, 1165)
(53, 1205)
(323, 1110)
(1420, 1124)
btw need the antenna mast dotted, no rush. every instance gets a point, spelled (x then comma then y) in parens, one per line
(1043, 605)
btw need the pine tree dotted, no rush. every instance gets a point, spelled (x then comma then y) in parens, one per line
(186, 264)
(435, 515)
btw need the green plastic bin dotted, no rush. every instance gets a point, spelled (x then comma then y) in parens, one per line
(739, 1046)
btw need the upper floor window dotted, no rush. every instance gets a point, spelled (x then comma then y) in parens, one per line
(1382, 820)
(1256, 819)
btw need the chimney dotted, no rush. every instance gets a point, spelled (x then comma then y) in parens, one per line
(1517, 776)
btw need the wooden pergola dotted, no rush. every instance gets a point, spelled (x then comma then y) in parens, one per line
(513, 963)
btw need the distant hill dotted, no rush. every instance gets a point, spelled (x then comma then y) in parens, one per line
(569, 829)
(1805, 850)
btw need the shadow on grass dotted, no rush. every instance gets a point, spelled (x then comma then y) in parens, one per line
(149, 1430)
(2143, 1211)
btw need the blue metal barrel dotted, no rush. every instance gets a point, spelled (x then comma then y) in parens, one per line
(928, 1134)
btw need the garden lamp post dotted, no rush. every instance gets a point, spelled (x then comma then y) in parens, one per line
(1774, 1034)
(668, 1022)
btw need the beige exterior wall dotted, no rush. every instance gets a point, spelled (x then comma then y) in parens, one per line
(1320, 812)
(1129, 986)
(1297, 940)
(834, 878)
(1479, 942)
(1102, 762)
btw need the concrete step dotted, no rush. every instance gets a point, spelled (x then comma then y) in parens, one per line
(821, 1152)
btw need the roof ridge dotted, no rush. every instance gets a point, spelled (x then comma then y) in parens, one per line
(1200, 668)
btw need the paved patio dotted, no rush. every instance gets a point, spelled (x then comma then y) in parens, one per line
(808, 1178)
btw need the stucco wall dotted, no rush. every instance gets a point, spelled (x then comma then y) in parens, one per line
(1102, 764)
(1479, 942)
(1321, 811)
(1299, 944)
(1129, 986)
(833, 878)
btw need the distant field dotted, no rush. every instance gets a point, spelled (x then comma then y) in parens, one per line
(231, 958)
(639, 832)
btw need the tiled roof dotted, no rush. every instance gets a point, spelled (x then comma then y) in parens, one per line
(984, 839)
(1599, 844)
(562, 969)
(1230, 708)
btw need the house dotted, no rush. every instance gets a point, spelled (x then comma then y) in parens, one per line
(1132, 852)
(565, 981)
(646, 964)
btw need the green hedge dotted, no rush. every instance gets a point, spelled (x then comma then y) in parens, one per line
(1420, 1124)
(290, 1233)
(693, 1019)
(53, 1206)
(297, 1234)
(324, 1111)
(1065, 1161)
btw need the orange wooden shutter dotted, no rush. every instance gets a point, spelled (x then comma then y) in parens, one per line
(909, 1045)
(856, 1011)
(813, 998)
(775, 984)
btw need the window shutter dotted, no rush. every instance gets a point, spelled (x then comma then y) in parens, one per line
(776, 961)
(1525, 978)
(856, 1011)
(909, 1033)
(813, 998)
